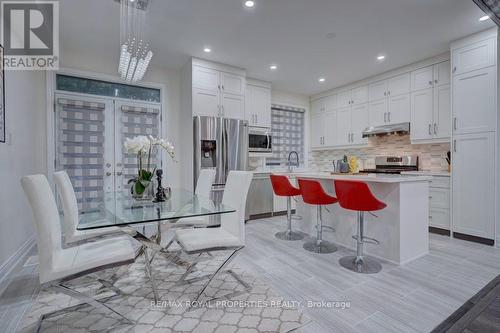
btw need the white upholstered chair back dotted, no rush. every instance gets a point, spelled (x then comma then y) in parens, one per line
(235, 196)
(47, 222)
(204, 183)
(68, 201)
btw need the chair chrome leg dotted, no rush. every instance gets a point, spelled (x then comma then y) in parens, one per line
(359, 263)
(289, 235)
(221, 268)
(318, 245)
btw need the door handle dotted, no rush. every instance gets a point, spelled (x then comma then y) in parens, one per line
(119, 173)
(108, 173)
(430, 132)
(435, 128)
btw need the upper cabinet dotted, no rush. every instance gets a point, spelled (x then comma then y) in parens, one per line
(258, 103)
(354, 96)
(474, 56)
(390, 101)
(217, 90)
(318, 105)
(394, 86)
(431, 104)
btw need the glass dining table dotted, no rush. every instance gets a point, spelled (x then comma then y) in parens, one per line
(121, 210)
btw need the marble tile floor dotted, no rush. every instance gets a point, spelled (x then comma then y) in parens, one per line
(414, 297)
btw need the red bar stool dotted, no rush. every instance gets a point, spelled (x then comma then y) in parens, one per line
(356, 195)
(313, 194)
(283, 188)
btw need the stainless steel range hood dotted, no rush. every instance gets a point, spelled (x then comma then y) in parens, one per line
(403, 128)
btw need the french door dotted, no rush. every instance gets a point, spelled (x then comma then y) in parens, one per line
(90, 132)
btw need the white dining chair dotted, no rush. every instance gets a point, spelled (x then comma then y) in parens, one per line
(229, 236)
(203, 189)
(69, 203)
(58, 265)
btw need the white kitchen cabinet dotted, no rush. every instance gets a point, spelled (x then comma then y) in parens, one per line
(398, 85)
(216, 92)
(258, 104)
(442, 73)
(474, 101)
(398, 109)
(343, 128)
(206, 102)
(359, 122)
(421, 114)
(232, 106)
(378, 112)
(439, 202)
(317, 130)
(344, 99)
(318, 106)
(206, 79)
(329, 126)
(431, 114)
(232, 84)
(359, 95)
(473, 177)
(422, 78)
(330, 102)
(377, 91)
(474, 56)
(431, 76)
(442, 113)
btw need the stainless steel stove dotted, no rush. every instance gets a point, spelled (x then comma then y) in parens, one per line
(394, 164)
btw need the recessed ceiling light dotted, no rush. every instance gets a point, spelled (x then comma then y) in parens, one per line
(484, 18)
(381, 57)
(273, 67)
(321, 79)
(207, 50)
(249, 4)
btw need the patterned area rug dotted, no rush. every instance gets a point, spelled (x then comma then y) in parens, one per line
(259, 310)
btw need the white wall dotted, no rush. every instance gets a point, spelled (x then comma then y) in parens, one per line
(171, 100)
(25, 154)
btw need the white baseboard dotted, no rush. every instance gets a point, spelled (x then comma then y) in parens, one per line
(15, 260)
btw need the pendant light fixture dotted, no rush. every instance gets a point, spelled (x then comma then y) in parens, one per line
(135, 53)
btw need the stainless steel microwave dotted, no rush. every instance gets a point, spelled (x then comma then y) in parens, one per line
(260, 140)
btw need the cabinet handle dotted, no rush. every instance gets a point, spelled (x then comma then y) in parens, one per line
(218, 86)
(385, 93)
(389, 93)
(430, 83)
(256, 118)
(223, 87)
(435, 81)
(435, 128)
(455, 123)
(454, 69)
(352, 137)
(388, 117)
(385, 117)
(430, 133)
(455, 146)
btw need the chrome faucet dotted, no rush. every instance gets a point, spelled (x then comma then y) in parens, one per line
(297, 163)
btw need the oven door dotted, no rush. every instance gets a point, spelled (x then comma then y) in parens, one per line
(259, 142)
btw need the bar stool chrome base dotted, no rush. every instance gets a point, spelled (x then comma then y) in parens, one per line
(320, 247)
(365, 265)
(289, 235)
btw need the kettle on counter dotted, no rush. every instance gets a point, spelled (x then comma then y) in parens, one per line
(341, 166)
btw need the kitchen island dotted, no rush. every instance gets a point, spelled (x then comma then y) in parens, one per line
(402, 228)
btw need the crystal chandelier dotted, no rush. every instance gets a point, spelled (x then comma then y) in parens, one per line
(135, 54)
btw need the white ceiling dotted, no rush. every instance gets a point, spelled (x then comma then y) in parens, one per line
(291, 33)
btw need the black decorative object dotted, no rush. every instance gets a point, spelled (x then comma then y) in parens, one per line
(160, 191)
(2, 96)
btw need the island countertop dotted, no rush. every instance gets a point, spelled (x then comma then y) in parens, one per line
(371, 177)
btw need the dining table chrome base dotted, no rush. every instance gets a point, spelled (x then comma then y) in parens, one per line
(363, 265)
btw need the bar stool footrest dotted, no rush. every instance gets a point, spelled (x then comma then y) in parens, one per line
(368, 240)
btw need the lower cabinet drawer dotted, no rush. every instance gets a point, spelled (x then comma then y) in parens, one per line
(441, 182)
(440, 218)
(439, 198)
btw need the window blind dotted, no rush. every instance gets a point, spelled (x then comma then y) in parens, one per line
(80, 149)
(138, 121)
(287, 128)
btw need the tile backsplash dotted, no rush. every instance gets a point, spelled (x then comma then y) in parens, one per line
(431, 156)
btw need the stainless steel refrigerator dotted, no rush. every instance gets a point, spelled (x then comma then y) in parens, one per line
(220, 144)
